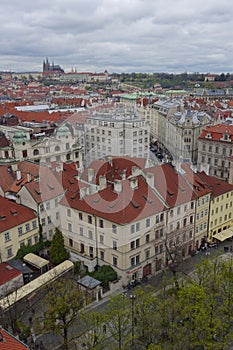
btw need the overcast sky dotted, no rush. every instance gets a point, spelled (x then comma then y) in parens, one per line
(117, 35)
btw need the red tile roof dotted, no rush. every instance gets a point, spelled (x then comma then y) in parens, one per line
(9, 342)
(7, 273)
(171, 185)
(13, 214)
(217, 132)
(217, 187)
(46, 188)
(122, 208)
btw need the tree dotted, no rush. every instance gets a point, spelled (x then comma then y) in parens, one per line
(63, 302)
(58, 253)
(118, 318)
(94, 336)
(105, 274)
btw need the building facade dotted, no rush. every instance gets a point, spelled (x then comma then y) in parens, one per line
(215, 146)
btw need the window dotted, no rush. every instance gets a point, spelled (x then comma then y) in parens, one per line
(29, 241)
(34, 224)
(89, 219)
(20, 231)
(27, 227)
(101, 255)
(43, 222)
(132, 261)
(184, 222)
(192, 205)
(132, 229)
(148, 238)
(101, 239)
(191, 219)
(101, 223)
(147, 222)
(161, 248)
(178, 211)
(161, 232)
(49, 219)
(114, 229)
(137, 243)
(36, 239)
(81, 231)
(41, 208)
(57, 215)
(69, 227)
(90, 235)
(157, 219)
(91, 252)
(114, 261)
(7, 237)
(137, 226)
(9, 252)
(114, 245)
(147, 254)
(132, 245)
(70, 242)
(69, 212)
(80, 216)
(171, 213)
(47, 205)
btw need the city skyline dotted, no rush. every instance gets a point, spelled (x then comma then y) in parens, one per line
(133, 36)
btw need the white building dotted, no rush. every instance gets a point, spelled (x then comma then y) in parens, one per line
(116, 131)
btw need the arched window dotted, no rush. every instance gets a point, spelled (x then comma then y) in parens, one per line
(35, 152)
(57, 148)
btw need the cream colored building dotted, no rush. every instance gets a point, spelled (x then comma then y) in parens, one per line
(116, 131)
(19, 225)
(215, 146)
(182, 132)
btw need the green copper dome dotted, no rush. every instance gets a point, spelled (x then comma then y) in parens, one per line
(20, 137)
(63, 131)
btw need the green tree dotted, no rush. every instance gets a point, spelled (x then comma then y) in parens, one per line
(95, 335)
(118, 321)
(58, 253)
(63, 302)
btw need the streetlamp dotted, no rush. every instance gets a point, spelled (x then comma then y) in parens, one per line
(132, 297)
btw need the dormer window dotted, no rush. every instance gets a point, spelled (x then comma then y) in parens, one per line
(208, 136)
(226, 137)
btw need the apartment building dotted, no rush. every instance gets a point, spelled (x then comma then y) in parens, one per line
(215, 146)
(220, 224)
(131, 217)
(19, 225)
(157, 114)
(41, 147)
(182, 132)
(117, 131)
(121, 224)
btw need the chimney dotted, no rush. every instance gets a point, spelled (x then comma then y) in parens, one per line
(118, 186)
(135, 170)
(29, 178)
(18, 175)
(134, 183)
(102, 182)
(150, 179)
(82, 192)
(110, 161)
(90, 174)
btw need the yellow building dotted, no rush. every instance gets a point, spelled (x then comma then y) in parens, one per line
(18, 226)
(221, 209)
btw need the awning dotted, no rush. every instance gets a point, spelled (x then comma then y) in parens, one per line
(221, 236)
(35, 260)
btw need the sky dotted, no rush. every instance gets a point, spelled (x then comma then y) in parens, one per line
(172, 36)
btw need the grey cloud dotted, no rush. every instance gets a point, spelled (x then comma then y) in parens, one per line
(129, 35)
